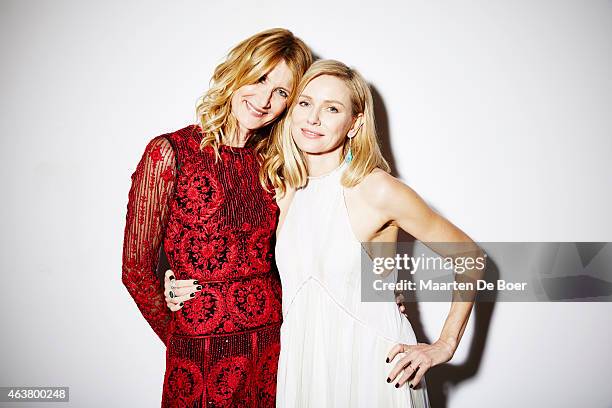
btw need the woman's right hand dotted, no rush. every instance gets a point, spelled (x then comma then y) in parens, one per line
(179, 292)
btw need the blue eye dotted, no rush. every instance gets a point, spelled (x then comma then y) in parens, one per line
(303, 103)
(333, 109)
(282, 93)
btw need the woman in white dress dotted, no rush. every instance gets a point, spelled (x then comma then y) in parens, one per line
(334, 192)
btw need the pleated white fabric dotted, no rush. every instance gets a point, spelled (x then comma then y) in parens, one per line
(333, 346)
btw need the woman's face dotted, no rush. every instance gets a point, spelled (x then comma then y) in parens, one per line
(322, 116)
(257, 105)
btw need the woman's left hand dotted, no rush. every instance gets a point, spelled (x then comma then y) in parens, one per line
(417, 359)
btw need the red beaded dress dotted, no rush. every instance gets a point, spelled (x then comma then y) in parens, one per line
(216, 224)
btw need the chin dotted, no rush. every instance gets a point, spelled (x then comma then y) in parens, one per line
(309, 147)
(251, 123)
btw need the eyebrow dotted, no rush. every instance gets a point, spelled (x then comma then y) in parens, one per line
(325, 101)
(280, 86)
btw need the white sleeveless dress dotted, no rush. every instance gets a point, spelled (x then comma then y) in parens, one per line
(333, 346)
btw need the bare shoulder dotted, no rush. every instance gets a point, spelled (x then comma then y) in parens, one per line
(284, 200)
(380, 188)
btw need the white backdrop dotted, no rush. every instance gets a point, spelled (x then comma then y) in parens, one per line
(496, 112)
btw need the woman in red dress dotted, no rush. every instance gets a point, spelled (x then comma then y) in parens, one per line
(197, 191)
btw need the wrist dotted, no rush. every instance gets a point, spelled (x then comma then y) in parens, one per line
(449, 344)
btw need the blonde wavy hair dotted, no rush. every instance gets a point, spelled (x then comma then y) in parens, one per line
(285, 167)
(245, 64)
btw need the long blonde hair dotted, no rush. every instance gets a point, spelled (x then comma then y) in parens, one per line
(285, 166)
(245, 64)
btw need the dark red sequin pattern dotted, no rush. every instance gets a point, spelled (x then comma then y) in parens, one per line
(223, 345)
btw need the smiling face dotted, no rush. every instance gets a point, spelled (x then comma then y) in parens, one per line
(322, 116)
(257, 105)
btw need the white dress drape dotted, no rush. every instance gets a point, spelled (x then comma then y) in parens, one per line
(333, 345)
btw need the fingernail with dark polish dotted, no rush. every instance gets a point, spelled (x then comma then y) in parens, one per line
(171, 277)
(387, 359)
(191, 294)
(181, 304)
(195, 282)
(388, 380)
(411, 386)
(199, 287)
(397, 385)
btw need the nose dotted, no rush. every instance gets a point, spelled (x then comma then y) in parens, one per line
(313, 117)
(263, 98)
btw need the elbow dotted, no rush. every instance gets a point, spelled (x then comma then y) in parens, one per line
(126, 280)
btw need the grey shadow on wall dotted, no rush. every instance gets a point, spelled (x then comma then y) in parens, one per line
(440, 379)
(382, 129)
(444, 377)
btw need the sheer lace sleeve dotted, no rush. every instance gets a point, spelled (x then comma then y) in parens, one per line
(147, 215)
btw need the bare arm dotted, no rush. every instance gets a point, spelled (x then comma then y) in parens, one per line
(414, 216)
(394, 201)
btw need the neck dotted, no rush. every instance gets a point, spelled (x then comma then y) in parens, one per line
(321, 164)
(241, 137)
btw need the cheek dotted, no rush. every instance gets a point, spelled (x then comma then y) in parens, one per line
(341, 125)
(295, 130)
(336, 130)
(279, 104)
(298, 115)
(235, 103)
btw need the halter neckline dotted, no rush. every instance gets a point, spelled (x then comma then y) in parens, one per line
(329, 173)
